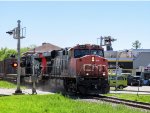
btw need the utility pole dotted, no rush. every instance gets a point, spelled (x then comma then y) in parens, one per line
(18, 90)
(117, 60)
(34, 77)
(16, 35)
(117, 66)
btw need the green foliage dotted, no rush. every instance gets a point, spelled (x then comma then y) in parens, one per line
(134, 97)
(23, 50)
(4, 84)
(5, 52)
(8, 85)
(56, 103)
(136, 44)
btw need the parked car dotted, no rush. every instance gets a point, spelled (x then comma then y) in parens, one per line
(121, 81)
(146, 82)
(137, 81)
(129, 79)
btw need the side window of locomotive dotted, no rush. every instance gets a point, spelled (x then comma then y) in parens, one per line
(80, 53)
(97, 52)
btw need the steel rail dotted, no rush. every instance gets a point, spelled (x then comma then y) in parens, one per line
(124, 102)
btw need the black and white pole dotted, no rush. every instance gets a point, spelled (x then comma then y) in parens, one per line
(34, 77)
(117, 68)
(16, 32)
(18, 90)
(117, 58)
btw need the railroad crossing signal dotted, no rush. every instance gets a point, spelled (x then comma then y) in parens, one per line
(16, 32)
(14, 64)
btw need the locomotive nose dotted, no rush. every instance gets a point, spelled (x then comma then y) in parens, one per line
(90, 65)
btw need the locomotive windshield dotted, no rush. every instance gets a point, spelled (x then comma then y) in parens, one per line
(97, 52)
(82, 52)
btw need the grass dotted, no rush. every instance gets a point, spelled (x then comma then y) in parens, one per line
(56, 103)
(8, 85)
(134, 97)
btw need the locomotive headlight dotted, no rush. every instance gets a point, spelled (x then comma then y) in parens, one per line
(93, 59)
(104, 74)
(87, 74)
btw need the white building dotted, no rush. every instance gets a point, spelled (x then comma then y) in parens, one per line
(134, 61)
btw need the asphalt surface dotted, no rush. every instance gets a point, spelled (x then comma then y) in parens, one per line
(24, 91)
(127, 90)
(134, 90)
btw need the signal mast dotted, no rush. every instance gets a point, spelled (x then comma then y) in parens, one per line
(16, 32)
(106, 41)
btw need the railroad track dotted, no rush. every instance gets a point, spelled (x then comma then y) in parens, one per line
(135, 104)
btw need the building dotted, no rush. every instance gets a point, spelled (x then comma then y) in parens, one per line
(45, 47)
(134, 61)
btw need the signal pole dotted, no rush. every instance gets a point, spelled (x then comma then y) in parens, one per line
(16, 35)
(18, 90)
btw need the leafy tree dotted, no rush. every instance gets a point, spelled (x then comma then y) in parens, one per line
(6, 53)
(23, 50)
(136, 44)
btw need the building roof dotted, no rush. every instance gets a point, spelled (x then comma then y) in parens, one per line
(45, 47)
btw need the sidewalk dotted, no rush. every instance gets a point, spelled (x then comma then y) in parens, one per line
(136, 88)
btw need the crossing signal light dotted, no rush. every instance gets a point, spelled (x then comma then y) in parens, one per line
(14, 64)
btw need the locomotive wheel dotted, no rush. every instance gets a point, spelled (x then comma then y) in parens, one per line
(82, 90)
(69, 86)
(105, 89)
(65, 85)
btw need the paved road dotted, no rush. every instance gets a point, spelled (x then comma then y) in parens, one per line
(24, 91)
(134, 90)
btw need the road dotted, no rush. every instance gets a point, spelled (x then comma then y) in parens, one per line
(134, 90)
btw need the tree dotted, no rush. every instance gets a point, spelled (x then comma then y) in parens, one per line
(6, 53)
(136, 44)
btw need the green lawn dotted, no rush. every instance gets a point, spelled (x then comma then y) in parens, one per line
(56, 103)
(134, 97)
(8, 85)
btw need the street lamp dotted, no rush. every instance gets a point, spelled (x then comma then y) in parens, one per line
(16, 35)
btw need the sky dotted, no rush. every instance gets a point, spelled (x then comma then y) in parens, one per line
(67, 23)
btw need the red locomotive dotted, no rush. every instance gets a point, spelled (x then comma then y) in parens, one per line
(82, 68)
(88, 69)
